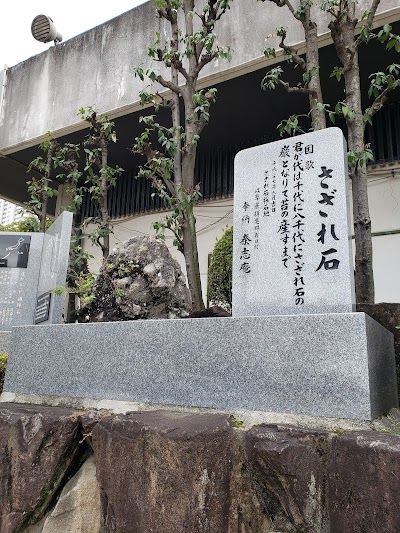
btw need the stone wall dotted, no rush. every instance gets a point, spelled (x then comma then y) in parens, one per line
(173, 472)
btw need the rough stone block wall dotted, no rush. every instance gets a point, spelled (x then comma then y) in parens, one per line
(183, 472)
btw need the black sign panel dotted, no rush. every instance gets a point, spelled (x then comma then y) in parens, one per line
(42, 307)
(14, 250)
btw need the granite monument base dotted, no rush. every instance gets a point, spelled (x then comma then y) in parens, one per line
(5, 341)
(332, 365)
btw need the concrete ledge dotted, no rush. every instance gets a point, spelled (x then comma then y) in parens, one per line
(5, 337)
(247, 419)
(333, 365)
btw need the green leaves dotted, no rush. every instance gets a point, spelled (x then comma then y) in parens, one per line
(342, 109)
(330, 5)
(392, 40)
(100, 125)
(337, 73)
(281, 32)
(346, 111)
(303, 8)
(272, 79)
(202, 101)
(379, 81)
(185, 53)
(291, 126)
(269, 52)
(308, 74)
(362, 158)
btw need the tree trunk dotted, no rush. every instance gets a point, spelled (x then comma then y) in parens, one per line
(364, 278)
(192, 260)
(190, 249)
(76, 236)
(45, 197)
(189, 231)
(104, 200)
(318, 119)
(43, 213)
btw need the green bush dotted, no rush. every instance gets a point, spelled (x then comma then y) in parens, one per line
(219, 285)
(29, 225)
(3, 365)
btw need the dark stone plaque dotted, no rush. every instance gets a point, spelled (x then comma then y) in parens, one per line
(14, 251)
(42, 307)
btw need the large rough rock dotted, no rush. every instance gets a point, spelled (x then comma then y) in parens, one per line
(140, 280)
(364, 483)
(169, 472)
(288, 472)
(37, 447)
(388, 315)
(78, 508)
(178, 476)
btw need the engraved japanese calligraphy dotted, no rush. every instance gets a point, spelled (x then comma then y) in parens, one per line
(292, 252)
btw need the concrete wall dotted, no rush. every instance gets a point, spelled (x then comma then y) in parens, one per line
(214, 217)
(95, 68)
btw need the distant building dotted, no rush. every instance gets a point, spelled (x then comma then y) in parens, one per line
(10, 213)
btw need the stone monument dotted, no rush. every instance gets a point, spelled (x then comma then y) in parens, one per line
(20, 259)
(293, 344)
(31, 265)
(53, 267)
(292, 256)
(292, 232)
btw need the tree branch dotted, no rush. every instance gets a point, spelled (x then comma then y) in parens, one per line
(338, 41)
(177, 63)
(215, 13)
(372, 13)
(287, 3)
(207, 58)
(169, 85)
(36, 212)
(150, 154)
(378, 102)
(298, 89)
(370, 20)
(290, 50)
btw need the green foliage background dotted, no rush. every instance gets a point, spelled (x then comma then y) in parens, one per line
(219, 286)
(3, 365)
(29, 224)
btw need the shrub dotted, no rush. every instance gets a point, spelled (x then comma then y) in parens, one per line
(29, 224)
(219, 285)
(3, 365)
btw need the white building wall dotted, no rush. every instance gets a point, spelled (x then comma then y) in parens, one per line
(384, 200)
(9, 213)
(214, 217)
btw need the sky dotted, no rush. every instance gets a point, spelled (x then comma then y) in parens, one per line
(71, 17)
